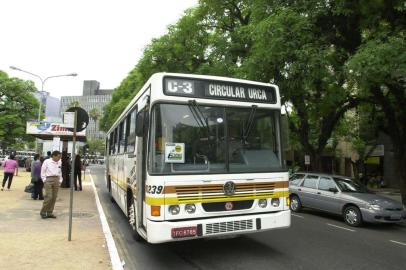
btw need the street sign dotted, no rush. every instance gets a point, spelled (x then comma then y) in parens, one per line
(68, 119)
(307, 160)
(82, 118)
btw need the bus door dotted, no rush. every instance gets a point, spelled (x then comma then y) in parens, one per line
(141, 168)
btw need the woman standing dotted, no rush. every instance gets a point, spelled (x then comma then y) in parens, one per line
(10, 167)
(36, 178)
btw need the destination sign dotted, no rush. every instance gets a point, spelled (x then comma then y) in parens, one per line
(199, 88)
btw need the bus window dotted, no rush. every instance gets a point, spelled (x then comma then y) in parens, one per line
(121, 140)
(116, 141)
(203, 139)
(111, 143)
(131, 131)
(127, 132)
(215, 139)
(252, 146)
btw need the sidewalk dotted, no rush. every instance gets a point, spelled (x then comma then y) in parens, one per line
(391, 193)
(387, 191)
(29, 242)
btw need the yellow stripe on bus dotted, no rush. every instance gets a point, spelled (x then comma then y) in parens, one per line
(206, 199)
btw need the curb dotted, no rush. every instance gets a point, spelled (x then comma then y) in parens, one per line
(111, 246)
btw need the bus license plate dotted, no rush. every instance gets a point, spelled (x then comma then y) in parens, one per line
(184, 232)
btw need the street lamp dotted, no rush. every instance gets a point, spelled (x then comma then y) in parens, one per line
(42, 87)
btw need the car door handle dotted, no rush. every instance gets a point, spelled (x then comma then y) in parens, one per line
(300, 189)
(318, 193)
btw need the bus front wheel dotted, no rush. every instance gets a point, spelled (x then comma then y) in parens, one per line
(133, 220)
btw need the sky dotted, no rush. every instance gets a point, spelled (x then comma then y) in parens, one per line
(97, 39)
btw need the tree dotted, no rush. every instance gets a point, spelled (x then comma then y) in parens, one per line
(17, 105)
(96, 146)
(74, 103)
(182, 49)
(293, 48)
(95, 115)
(378, 72)
(308, 48)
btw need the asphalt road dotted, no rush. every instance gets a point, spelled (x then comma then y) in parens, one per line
(314, 241)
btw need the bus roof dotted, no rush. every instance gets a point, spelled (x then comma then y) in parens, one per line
(159, 77)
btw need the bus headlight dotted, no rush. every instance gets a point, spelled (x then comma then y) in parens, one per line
(275, 202)
(262, 203)
(190, 208)
(174, 209)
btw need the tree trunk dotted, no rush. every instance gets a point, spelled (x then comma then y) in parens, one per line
(315, 162)
(401, 167)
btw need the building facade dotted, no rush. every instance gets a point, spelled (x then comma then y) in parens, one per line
(50, 106)
(93, 99)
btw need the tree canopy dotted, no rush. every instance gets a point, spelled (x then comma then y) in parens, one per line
(17, 106)
(327, 57)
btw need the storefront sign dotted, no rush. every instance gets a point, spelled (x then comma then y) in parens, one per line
(52, 129)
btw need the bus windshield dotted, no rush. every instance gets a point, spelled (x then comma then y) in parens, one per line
(194, 138)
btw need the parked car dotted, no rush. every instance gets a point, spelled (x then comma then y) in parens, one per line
(342, 196)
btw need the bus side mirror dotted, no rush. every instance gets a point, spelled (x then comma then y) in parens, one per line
(139, 125)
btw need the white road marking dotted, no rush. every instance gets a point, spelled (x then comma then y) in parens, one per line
(297, 216)
(396, 242)
(116, 263)
(340, 227)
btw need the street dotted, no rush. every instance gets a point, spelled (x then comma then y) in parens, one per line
(314, 241)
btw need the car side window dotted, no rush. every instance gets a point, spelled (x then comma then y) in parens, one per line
(310, 181)
(326, 183)
(295, 179)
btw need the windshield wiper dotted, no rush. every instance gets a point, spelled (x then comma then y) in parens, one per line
(198, 116)
(247, 130)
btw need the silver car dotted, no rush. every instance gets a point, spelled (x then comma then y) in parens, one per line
(341, 195)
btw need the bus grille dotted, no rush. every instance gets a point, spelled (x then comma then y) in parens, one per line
(220, 206)
(230, 226)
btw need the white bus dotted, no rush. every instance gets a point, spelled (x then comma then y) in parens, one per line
(199, 156)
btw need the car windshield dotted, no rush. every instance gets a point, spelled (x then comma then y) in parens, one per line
(348, 185)
(202, 139)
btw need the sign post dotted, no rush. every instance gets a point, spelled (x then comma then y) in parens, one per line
(80, 122)
(307, 162)
(72, 176)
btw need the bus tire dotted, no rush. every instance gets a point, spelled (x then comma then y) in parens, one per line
(133, 220)
(109, 184)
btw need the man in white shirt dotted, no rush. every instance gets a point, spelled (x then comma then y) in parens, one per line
(51, 175)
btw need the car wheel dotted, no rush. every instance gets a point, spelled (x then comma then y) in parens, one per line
(133, 221)
(352, 216)
(295, 204)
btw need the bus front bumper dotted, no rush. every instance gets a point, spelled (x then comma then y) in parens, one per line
(167, 231)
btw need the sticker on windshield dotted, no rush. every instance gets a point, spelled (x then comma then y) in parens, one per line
(174, 153)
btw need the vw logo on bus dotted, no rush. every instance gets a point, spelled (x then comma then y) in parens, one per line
(229, 206)
(229, 188)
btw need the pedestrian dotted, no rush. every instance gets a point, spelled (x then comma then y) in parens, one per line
(48, 155)
(78, 173)
(10, 167)
(51, 174)
(66, 170)
(363, 179)
(28, 162)
(36, 178)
